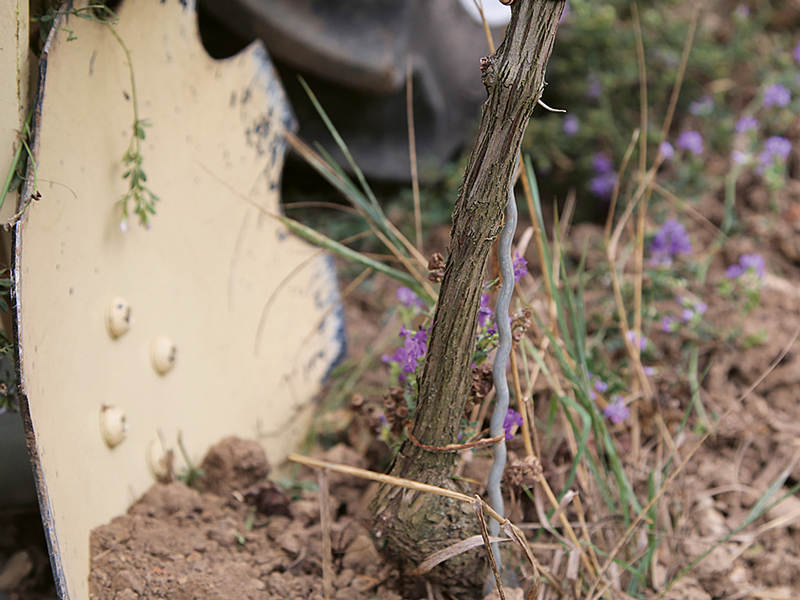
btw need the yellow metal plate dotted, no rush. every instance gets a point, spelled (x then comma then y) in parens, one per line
(208, 272)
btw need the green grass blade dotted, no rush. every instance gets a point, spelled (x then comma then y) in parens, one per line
(340, 142)
(318, 239)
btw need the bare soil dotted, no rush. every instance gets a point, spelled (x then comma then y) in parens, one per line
(242, 537)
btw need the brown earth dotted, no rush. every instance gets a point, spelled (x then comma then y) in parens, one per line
(245, 539)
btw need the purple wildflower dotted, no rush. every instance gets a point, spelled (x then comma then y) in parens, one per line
(704, 106)
(634, 338)
(571, 125)
(520, 267)
(600, 386)
(414, 347)
(408, 298)
(493, 329)
(691, 308)
(742, 11)
(649, 371)
(753, 261)
(669, 324)
(733, 271)
(778, 146)
(775, 148)
(670, 240)
(617, 412)
(666, 150)
(796, 53)
(602, 185)
(485, 311)
(747, 263)
(746, 123)
(512, 418)
(776, 95)
(691, 141)
(602, 164)
(595, 87)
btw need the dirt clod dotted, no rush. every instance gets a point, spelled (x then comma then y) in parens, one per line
(234, 465)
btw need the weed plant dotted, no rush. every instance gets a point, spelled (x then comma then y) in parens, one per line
(139, 199)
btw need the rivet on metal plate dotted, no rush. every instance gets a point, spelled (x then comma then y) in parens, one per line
(163, 353)
(112, 425)
(118, 317)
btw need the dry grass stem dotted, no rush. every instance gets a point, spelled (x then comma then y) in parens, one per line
(526, 425)
(329, 310)
(692, 212)
(612, 207)
(458, 548)
(640, 222)
(281, 285)
(585, 532)
(391, 480)
(325, 524)
(676, 89)
(476, 506)
(486, 29)
(537, 236)
(412, 154)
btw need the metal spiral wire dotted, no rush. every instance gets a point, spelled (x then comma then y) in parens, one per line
(501, 359)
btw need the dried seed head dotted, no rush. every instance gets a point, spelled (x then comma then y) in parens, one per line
(395, 409)
(436, 266)
(521, 323)
(522, 472)
(482, 381)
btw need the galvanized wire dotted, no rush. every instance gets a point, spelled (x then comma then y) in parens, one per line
(501, 357)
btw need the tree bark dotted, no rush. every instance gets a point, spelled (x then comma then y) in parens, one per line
(412, 525)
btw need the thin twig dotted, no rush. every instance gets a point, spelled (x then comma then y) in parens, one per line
(325, 524)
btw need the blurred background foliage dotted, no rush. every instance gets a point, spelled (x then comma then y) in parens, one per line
(739, 49)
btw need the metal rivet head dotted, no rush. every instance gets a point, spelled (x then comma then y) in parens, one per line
(112, 425)
(163, 353)
(159, 461)
(118, 317)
